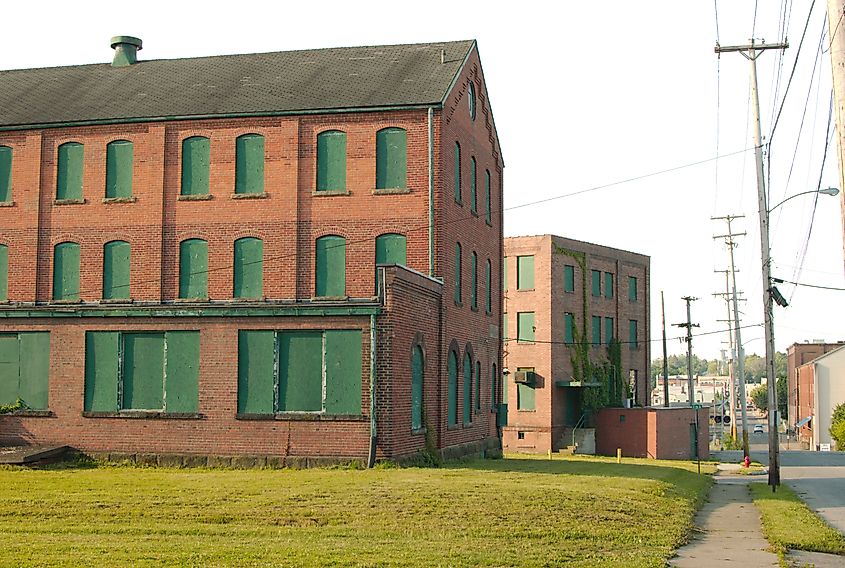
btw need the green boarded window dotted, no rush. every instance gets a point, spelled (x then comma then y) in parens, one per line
(494, 379)
(477, 386)
(525, 327)
(119, 164)
(249, 164)
(331, 161)
(467, 406)
(474, 279)
(453, 388)
(193, 269)
(525, 393)
(116, 263)
(256, 371)
(300, 374)
(632, 334)
(142, 371)
(471, 100)
(248, 268)
(595, 330)
(632, 288)
(525, 273)
(473, 189)
(505, 337)
(330, 279)
(69, 173)
(488, 277)
(596, 282)
(608, 330)
(458, 273)
(568, 278)
(488, 204)
(24, 369)
(66, 272)
(391, 158)
(196, 160)
(417, 377)
(505, 274)
(4, 273)
(504, 389)
(391, 248)
(608, 285)
(568, 328)
(5, 174)
(458, 173)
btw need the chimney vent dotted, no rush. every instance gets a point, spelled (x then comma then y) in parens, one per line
(125, 50)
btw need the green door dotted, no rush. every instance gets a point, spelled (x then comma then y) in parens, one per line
(143, 371)
(9, 368)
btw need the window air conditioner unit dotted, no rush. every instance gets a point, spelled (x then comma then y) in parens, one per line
(525, 377)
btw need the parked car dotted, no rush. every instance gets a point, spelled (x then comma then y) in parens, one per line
(758, 429)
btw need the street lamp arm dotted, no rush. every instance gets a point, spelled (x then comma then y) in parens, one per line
(826, 191)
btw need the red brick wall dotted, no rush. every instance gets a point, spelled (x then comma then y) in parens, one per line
(651, 432)
(799, 354)
(806, 384)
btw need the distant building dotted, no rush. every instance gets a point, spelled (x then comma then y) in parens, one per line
(799, 405)
(821, 387)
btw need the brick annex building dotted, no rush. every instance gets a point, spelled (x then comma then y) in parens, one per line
(558, 290)
(291, 254)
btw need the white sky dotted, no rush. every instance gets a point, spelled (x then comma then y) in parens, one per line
(584, 94)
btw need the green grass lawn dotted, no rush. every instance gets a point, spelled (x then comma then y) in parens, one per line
(789, 523)
(511, 512)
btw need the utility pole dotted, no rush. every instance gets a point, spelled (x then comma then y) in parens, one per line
(665, 359)
(726, 295)
(836, 33)
(752, 52)
(689, 325)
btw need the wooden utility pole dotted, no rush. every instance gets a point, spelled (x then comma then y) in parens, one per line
(689, 325)
(836, 33)
(726, 295)
(665, 356)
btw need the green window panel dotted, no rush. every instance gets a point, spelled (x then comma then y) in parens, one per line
(24, 368)
(119, 165)
(182, 371)
(505, 274)
(633, 341)
(488, 204)
(608, 285)
(331, 161)
(417, 378)
(471, 100)
(632, 288)
(525, 393)
(143, 371)
(101, 371)
(330, 278)
(608, 330)
(568, 278)
(467, 402)
(116, 268)
(66, 272)
(473, 190)
(478, 386)
(525, 272)
(4, 273)
(488, 278)
(525, 327)
(596, 282)
(10, 367)
(300, 356)
(494, 380)
(458, 173)
(391, 158)
(69, 172)
(504, 389)
(196, 162)
(595, 330)
(5, 174)
(248, 268)
(505, 337)
(453, 388)
(256, 371)
(249, 164)
(193, 269)
(458, 295)
(343, 371)
(568, 328)
(391, 248)
(474, 280)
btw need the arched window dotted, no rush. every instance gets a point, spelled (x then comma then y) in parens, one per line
(474, 280)
(417, 378)
(193, 269)
(391, 158)
(473, 192)
(471, 100)
(391, 248)
(331, 161)
(477, 386)
(249, 164)
(119, 164)
(488, 277)
(4, 273)
(458, 273)
(453, 388)
(467, 388)
(69, 171)
(116, 269)
(458, 173)
(248, 268)
(196, 160)
(5, 174)
(488, 213)
(330, 277)
(66, 272)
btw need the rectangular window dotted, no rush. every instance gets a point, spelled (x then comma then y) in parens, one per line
(595, 329)
(331, 161)
(525, 394)
(330, 267)
(473, 285)
(196, 163)
(608, 285)
(391, 158)
(525, 327)
(458, 173)
(488, 212)
(525, 272)
(608, 330)
(505, 337)
(568, 278)
(69, 172)
(633, 341)
(596, 282)
(4, 273)
(458, 255)
(193, 269)
(66, 272)
(632, 288)
(568, 328)
(473, 190)
(299, 371)
(5, 174)
(116, 268)
(505, 274)
(24, 368)
(142, 371)
(119, 165)
(249, 164)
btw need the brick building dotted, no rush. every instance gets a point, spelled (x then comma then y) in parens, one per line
(291, 254)
(559, 294)
(814, 382)
(799, 397)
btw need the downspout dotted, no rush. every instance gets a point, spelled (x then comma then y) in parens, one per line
(371, 458)
(431, 192)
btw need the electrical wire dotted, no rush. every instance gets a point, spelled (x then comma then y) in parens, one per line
(677, 338)
(804, 284)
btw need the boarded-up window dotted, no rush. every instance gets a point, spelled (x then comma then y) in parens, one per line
(458, 173)
(632, 288)
(471, 100)
(525, 393)
(391, 158)
(5, 174)
(505, 336)
(196, 160)
(608, 330)
(453, 388)
(488, 204)
(417, 378)
(525, 272)
(299, 371)
(505, 274)
(119, 164)
(568, 278)
(66, 272)
(69, 171)
(467, 406)
(116, 269)
(568, 328)
(488, 277)
(193, 269)
(4, 273)
(248, 268)
(525, 327)
(608, 285)
(249, 164)
(596, 282)
(458, 295)
(474, 279)
(331, 161)
(473, 185)
(494, 380)
(142, 371)
(330, 274)
(478, 386)
(595, 328)
(633, 340)
(391, 248)
(24, 369)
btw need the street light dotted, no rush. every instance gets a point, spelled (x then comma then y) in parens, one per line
(770, 293)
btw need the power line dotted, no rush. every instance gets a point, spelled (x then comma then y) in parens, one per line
(809, 285)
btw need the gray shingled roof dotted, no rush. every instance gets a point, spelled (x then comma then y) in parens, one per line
(261, 83)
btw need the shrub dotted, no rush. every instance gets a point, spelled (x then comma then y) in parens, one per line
(837, 426)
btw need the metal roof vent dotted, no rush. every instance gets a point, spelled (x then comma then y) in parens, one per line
(125, 50)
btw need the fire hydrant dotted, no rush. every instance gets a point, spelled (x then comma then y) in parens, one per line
(746, 462)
